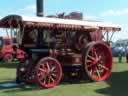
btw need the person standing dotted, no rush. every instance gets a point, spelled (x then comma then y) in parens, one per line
(120, 57)
(126, 55)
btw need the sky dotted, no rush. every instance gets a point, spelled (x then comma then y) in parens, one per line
(115, 11)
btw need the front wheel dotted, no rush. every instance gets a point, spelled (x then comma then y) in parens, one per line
(8, 57)
(48, 72)
(97, 61)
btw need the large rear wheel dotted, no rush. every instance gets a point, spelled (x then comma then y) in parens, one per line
(97, 61)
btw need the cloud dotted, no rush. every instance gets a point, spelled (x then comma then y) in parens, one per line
(90, 17)
(115, 12)
(29, 8)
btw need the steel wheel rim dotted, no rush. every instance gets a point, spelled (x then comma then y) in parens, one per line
(48, 72)
(98, 61)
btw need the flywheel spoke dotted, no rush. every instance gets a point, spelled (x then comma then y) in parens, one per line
(91, 71)
(90, 65)
(102, 66)
(53, 74)
(91, 57)
(48, 66)
(88, 61)
(51, 78)
(98, 73)
(96, 55)
(53, 68)
(42, 70)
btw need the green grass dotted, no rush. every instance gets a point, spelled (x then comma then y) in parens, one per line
(115, 85)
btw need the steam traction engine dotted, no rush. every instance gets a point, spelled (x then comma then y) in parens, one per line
(57, 47)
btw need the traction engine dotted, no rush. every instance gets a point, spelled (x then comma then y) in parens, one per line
(61, 47)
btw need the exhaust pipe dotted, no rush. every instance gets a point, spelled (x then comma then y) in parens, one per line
(39, 5)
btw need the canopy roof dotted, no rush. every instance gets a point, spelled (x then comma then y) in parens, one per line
(14, 20)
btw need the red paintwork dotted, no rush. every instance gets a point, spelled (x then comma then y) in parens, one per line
(48, 72)
(70, 60)
(20, 54)
(7, 48)
(97, 61)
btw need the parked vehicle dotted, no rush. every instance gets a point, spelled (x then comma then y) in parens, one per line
(9, 52)
(57, 47)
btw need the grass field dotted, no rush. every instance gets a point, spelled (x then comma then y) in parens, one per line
(115, 85)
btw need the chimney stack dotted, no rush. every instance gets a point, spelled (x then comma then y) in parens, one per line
(39, 6)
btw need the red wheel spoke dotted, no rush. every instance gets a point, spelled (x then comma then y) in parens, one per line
(99, 57)
(102, 66)
(92, 58)
(88, 61)
(51, 78)
(90, 65)
(48, 67)
(42, 70)
(98, 73)
(91, 72)
(53, 68)
(53, 74)
(54, 71)
(96, 56)
(38, 74)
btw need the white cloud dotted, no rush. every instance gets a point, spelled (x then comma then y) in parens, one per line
(115, 12)
(89, 17)
(29, 8)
